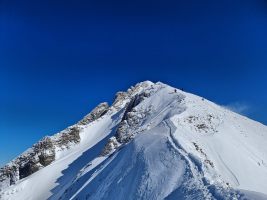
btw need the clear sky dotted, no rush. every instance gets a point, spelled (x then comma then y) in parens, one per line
(59, 59)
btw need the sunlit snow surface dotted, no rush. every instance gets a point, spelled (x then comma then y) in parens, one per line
(186, 148)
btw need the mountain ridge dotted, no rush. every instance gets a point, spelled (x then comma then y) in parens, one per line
(198, 140)
(63, 139)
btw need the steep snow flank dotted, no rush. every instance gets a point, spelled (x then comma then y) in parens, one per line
(156, 142)
(233, 145)
(149, 167)
(40, 184)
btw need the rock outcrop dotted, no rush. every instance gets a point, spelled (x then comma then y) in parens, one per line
(110, 146)
(40, 155)
(43, 152)
(96, 113)
(131, 121)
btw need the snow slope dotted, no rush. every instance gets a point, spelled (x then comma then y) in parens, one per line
(157, 142)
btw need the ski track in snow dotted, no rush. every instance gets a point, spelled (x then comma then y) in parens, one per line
(229, 170)
(171, 127)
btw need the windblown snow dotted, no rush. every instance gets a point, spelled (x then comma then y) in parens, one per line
(154, 142)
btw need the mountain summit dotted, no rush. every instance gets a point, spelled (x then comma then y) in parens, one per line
(153, 142)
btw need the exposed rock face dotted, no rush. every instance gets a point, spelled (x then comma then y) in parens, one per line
(133, 119)
(69, 135)
(45, 150)
(96, 113)
(28, 169)
(110, 146)
(119, 98)
(122, 98)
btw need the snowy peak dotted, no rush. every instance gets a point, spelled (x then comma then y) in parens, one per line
(153, 142)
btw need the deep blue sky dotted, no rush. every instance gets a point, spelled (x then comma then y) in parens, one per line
(59, 59)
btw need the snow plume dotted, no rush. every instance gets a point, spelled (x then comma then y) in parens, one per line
(238, 107)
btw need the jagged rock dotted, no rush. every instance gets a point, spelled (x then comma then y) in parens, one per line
(45, 151)
(119, 98)
(132, 119)
(122, 98)
(110, 146)
(134, 102)
(28, 169)
(96, 113)
(70, 135)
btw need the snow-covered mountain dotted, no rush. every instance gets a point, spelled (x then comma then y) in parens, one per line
(153, 142)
